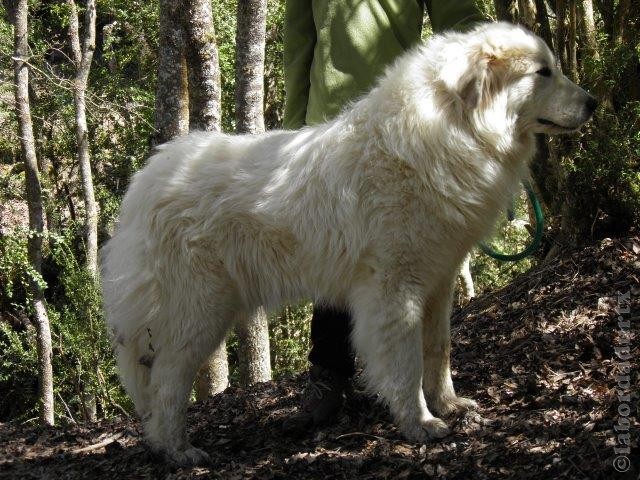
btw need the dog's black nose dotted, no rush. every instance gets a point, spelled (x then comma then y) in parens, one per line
(592, 104)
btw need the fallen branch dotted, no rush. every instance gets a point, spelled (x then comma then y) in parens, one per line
(360, 434)
(103, 443)
(66, 407)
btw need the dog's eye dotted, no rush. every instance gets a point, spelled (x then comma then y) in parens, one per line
(545, 72)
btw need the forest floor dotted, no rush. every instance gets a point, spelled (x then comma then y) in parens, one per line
(539, 356)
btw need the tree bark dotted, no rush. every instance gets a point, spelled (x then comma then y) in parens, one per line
(468, 289)
(204, 71)
(82, 55)
(213, 376)
(542, 18)
(561, 34)
(253, 350)
(527, 14)
(589, 29)
(203, 112)
(623, 12)
(628, 30)
(250, 44)
(572, 36)
(36, 219)
(253, 338)
(172, 98)
(505, 10)
(606, 9)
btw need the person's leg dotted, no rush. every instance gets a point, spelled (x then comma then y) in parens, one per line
(330, 342)
(332, 365)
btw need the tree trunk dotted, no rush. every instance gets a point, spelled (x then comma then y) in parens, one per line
(628, 30)
(253, 338)
(527, 14)
(213, 376)
(505, 10)
(34, 200)
(589, 29)
(542, 18)
(253, 350)
(204, 71)
(468, 290)
(607, 12)
(250, 44)
(172, 97)
(623, 12)
(571, 42)
(202, 88)
(82, 55)
(561, 34)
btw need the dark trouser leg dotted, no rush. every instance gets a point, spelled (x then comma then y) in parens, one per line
(331, 346)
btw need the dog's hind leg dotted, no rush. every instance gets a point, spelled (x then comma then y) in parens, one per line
(387, 336)
(178, 357)
(437, 382)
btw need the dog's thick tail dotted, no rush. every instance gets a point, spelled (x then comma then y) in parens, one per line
(135, 365)
(129, 296)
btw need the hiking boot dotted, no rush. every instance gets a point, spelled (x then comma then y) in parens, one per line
(322, 399)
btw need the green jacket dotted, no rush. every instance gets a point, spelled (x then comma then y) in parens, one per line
(335, 49)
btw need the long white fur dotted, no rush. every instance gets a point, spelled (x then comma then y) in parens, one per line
(373, 211)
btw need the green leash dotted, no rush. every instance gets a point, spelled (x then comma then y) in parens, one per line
(537, 237)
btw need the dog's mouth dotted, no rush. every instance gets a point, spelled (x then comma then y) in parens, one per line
(549, 123)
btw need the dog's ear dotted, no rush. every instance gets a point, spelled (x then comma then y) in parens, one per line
(472, 78)
(471, 89)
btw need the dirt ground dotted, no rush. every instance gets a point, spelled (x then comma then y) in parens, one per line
(539, 356)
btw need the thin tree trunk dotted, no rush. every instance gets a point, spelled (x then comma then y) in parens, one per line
(468, 290)
(253, 350)
(204, 113)
(571, 41)
(254, 358)
(505, 10)
(172, 97)
(589, 27)
(623, 12)
(82, 55)
(36, 220)
(561, 33)
(606, 8)
(204, 71)
(527, 14)
(250, 44)
(631, 74)
(213, 376)
(542, 18)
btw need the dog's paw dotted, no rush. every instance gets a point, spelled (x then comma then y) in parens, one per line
(452, 406)
(433, 428)
(189, 457)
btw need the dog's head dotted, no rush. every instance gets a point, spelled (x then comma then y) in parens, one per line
(503, 74)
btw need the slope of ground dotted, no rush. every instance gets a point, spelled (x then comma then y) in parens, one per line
(540, 356)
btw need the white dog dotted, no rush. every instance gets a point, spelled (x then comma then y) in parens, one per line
(373, 211)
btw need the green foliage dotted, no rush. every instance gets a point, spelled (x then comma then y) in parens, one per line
(224, 13)
(224, 19)
(14, 265)
(603, 164)
(83, 363)
(510, 237)
(18, 373)
(604, 173)
(83, 357)
(289, 333)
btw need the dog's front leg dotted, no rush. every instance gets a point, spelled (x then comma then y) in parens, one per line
(437, 382)
(387, 336)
